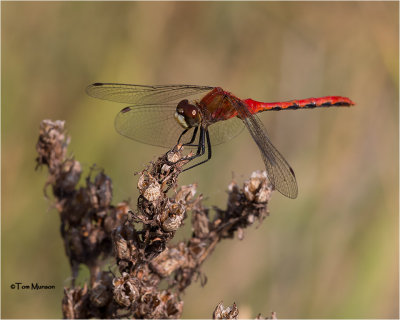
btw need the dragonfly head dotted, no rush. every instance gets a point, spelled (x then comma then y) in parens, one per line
(187, 115)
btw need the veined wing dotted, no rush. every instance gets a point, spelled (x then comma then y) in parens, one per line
(280, 174)
(156, 125)
(151, 119)
(223, 131)
(142, 94)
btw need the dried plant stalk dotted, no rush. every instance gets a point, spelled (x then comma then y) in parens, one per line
(94, 231)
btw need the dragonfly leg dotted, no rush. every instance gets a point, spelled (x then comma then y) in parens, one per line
(191, 140)
(200, 146)
(182, 134)
(190, 143)
(203, 150)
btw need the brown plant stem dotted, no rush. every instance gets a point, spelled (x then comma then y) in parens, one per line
(94, 231)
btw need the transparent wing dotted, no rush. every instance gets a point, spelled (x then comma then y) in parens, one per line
(151, 119)
(155, 126)
(144, 95)
(223, 131)
(280, 174)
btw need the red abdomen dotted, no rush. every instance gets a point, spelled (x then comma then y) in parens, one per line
(324, 102)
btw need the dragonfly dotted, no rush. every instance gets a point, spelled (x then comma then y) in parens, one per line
(201, 117)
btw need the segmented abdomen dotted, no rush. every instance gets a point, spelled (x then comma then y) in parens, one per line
(324, 102)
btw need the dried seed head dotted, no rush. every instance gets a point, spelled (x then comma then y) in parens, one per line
(52, 144)
(103, 189)
(171, 305)
(151, 304)
(257, 188)
(256, 178)
(70, 174)
(200, 224)
(72, 305)
(197, 247)
(186, 193)
(149, 187)
(142, 182)
(263, 195)
(175, 154)
(175, 213)
(153, 192)
(172, 223)
(250, 186)
(126, 290)
(165, 168)
(168, 261)
(99, 295)
(221, 312)
(248, 193)
(121, 247)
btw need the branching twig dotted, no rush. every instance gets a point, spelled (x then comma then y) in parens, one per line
(94, 230)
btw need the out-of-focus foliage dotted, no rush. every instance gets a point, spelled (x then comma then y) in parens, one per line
(331, 253)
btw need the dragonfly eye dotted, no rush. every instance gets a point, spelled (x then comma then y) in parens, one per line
(183, 105)
(187, 114)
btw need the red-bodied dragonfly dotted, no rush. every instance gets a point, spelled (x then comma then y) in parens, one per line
(201, 116)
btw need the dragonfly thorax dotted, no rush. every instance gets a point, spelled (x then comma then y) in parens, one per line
(187, 115)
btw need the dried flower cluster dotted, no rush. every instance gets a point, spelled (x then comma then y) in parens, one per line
(232, 312)
(221, 312)
(94, 230)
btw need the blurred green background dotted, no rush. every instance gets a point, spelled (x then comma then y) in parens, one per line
(331, 253)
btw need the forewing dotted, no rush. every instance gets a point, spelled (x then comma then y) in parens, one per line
(144, 95)
(155, 126)
(151, 118)
(280, 174)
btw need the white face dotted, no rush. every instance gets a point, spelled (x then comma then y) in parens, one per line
(181, 120)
